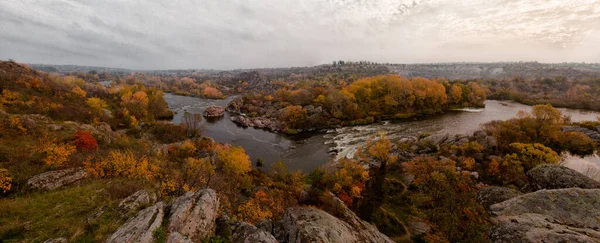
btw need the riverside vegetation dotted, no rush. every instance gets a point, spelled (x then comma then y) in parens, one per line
(82, 162)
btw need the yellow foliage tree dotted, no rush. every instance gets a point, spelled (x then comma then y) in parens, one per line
(96, 104)
(234, 159)
(78, 92)
(5, 180)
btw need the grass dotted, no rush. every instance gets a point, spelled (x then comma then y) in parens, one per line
(67, 212)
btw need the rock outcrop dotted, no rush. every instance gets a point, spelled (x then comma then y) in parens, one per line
(214, 111)
(490, 195)
(139, 198)
(140, 227)
(258, 122)
(595, 135)
(314, 225)
(54, 179)
(193, 215)
(554, 177)
(246, 233)
(191, 218)
(559, 215)
(176, 237)
(57, 240)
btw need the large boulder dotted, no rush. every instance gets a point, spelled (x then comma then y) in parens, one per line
(140, 227)
(193, 215)
(214, 111)
(549, 176)
(246, 233)
(54, 179)
(559, 215)
(134, 201)
(301, 224)
(490, 195)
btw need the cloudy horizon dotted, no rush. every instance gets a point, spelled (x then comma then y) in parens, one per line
(280, 33)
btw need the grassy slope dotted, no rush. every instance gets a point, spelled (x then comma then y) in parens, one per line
(66, 212)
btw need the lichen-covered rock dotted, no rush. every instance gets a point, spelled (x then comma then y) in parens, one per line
(57, 240)
(214, 111)
(54, 179)
(139, 198)
(246, 233)
(176, 237)
(559, 215)
(490, 195)
(313, 225)
(554, 177)
(141, 227)
(193, 215)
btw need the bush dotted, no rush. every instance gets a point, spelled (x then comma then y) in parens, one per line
(5, 181)
(85, 141)
(167, 132)
(577, 143)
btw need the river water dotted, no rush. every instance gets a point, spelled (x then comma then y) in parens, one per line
(308, 151)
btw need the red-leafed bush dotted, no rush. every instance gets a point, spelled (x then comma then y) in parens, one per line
(85, 141)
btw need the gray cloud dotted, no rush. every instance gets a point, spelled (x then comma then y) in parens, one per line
(275, 33)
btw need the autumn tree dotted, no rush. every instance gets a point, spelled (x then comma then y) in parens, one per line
(376, 155)
(445, 198)
(524, 157)
(294, 115)
(136, 103)
(233, 160)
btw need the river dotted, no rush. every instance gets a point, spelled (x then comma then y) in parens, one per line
(308, 151)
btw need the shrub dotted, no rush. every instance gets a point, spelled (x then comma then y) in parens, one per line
(123, 164)
(56, 155)
(167, 132)
(85, 141)
(5, 180)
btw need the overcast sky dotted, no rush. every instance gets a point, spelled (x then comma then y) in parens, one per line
(226, 34)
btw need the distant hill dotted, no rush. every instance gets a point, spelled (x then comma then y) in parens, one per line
(499, 70)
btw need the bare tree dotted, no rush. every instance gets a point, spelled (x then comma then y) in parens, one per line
(192, 123)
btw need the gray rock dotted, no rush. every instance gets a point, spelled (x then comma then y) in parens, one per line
(176, 237)
(559, 215)
(246, 233)
(265, 224)
(313, 225)
(437, 139)
(554, 177)
(491, 195)
(55, 179)
(598, 128)
(140, 228)
(194, 214)
(57, 240)
(418, 226)
(139, 198)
